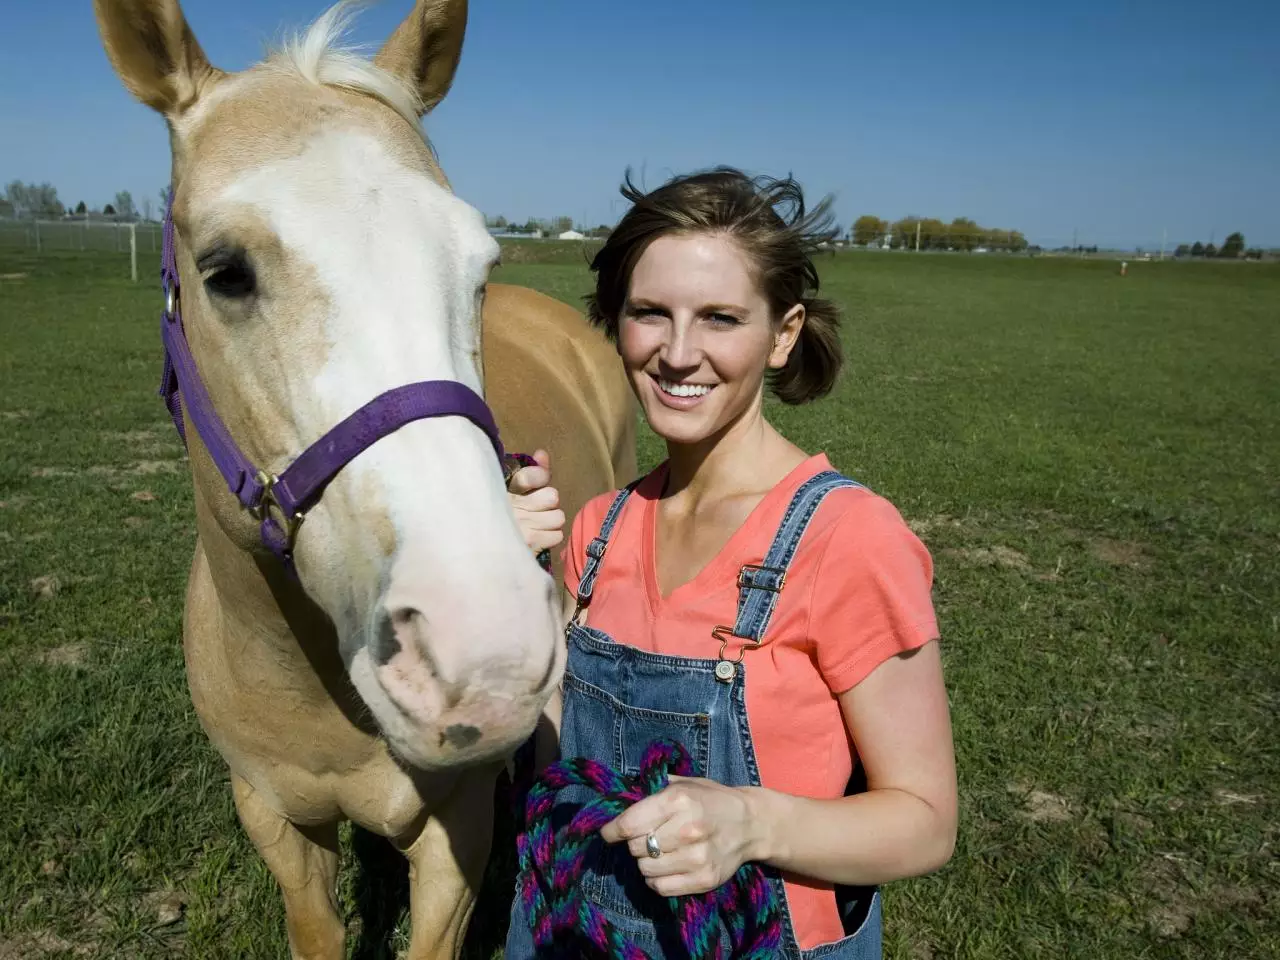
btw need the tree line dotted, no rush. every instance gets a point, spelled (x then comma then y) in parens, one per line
(1233, 248)
(960, 234)
(39, 201)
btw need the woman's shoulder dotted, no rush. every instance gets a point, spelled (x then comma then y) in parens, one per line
(856, 521)
(593, 512)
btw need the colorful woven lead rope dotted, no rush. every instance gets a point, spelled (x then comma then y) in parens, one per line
(552, 864)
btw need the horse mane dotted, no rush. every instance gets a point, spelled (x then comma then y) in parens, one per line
(319, 56)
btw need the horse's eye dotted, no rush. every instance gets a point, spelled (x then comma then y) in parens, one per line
(229, 275)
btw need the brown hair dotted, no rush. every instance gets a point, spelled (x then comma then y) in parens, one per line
(779, 244)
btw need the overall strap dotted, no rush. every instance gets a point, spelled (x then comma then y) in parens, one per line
(760, 584)
(596, 548)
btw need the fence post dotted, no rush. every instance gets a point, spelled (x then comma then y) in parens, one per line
(37, 226)
(117, 238)
(133, 251)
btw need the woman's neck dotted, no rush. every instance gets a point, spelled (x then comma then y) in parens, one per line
(747, 455)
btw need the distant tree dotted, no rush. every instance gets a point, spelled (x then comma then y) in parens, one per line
(1197, 249)
(1210, 250)
(146, 209)
(562, 224)
(1017, 242)
(81, 209)
(33, 200)
(108, 211)
(124, 206)
(1182, 251)
(868, 229)
(1254, 254)
(963, 233)
(1233, 246)
(164, 198)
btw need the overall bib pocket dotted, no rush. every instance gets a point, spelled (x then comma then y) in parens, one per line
(598, 724)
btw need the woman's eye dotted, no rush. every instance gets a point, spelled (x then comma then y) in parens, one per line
(233, 279)
(723, 319)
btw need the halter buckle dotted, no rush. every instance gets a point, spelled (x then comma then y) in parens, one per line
(269, 509)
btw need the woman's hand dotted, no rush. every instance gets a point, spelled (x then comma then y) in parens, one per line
(537, 504)
(704, 832)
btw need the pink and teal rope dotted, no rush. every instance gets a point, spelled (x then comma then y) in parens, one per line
(552, 865)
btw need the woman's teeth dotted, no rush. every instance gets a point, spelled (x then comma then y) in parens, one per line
(684, 389)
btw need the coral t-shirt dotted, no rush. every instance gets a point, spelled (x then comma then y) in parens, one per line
(856, 594)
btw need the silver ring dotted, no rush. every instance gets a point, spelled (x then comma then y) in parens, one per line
(651, 845)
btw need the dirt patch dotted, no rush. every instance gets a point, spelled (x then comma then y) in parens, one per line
(164, 906)
(67, 655)
(1042, 806)
(996, 556)
(1226, 798)
(143, 496)
(938, 521)
(1119, 553)
(141, 468)
(145, 467)
(34, 945)
(133, 523)
(46, 587)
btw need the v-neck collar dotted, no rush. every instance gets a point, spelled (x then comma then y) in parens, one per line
(723, 567)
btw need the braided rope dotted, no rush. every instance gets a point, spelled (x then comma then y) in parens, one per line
(552, 864)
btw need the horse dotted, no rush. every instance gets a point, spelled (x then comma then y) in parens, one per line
(380, 655)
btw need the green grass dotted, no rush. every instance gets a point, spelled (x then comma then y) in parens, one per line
(1094, 462)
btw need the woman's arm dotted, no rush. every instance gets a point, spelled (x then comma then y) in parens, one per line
(903, 825)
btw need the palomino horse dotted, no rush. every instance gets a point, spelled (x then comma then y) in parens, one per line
(385, 669)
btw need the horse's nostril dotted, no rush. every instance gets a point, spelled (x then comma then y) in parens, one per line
(385, 643)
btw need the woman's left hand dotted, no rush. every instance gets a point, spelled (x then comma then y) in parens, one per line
(703, 829)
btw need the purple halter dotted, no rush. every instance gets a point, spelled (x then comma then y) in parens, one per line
(279, 502)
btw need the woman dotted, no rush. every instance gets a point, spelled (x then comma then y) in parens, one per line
(744, 598)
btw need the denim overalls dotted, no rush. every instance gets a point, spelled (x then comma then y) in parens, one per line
(618, 699)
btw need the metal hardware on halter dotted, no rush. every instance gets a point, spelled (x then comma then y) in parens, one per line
(726, 668)
(286, 522)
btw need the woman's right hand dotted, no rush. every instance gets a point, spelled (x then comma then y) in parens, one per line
(537, 504)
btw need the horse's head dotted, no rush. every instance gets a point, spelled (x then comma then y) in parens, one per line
(324, 260)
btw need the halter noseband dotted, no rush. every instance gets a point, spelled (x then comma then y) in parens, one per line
(279, 502)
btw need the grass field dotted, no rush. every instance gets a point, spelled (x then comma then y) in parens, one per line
(1093, 460)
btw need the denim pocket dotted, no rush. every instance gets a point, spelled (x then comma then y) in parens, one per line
(614, 881)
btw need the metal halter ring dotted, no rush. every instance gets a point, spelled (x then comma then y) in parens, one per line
(651, 845)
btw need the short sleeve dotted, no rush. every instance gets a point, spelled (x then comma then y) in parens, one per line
(871, 595)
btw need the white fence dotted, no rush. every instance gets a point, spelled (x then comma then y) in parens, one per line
(49, 236)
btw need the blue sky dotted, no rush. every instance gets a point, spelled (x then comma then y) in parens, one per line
(1114, 121)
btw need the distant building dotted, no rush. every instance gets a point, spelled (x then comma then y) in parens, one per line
(571, 235)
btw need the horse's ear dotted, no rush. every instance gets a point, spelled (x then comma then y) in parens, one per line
(425, 48)
(154, 52)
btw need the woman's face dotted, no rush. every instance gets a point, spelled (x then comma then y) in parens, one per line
(696, 336)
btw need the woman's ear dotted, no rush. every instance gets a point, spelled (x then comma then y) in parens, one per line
(785, 337)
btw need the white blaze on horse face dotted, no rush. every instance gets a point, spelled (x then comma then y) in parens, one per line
(447, 625)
